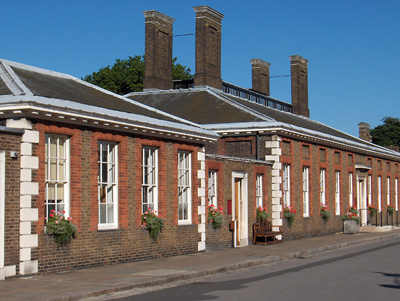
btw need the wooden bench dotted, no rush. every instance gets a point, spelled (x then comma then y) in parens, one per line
(263, 229)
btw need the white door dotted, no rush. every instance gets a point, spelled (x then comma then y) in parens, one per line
(240, 212)
(362, 200)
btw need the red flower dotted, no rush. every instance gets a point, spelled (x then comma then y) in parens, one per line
(51, 214)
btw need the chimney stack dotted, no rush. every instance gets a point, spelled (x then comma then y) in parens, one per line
(158, 52)
(299, 76)
(363, 131)
(208, 47)
(260, 76)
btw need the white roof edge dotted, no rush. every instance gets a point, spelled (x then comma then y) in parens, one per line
(70, 107)
(260, 126)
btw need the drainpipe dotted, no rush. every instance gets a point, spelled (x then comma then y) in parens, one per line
(257, 146)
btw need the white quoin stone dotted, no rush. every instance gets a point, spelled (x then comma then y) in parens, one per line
(25, 254)
(21, 123)
(275, 186)
(274, 158)
(276, 201)
(30, 136)
(26, 175)
(277, 208)
(201, 246)
(201, 228)
(31, 188)
(276, 180)
(29, 214)
(25, 228)
(29, 162)
(201, 156)
(26, 149)
(25, 201)
(28, 267)
(28, 241)
(277, 166)
(201, 192)
(201, 174)
(275, 173)
(271, 144)
(276, 151)
(276, 215)
(276, 194)
(201, 210)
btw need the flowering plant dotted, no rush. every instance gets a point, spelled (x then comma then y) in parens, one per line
(390, 209)
(153, 223)
(353, 209)
(215, 216)
(289, 213)
(60, 228)
(372, 210)
(324, 212)
(261, 213)
(352, 215)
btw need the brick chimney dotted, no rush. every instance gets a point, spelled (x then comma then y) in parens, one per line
(363, 131)
(208, 47)
(299, 75)
(158, 52)
(260, 76)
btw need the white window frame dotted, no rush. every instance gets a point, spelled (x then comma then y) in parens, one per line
(62, 174)
(110, 199)
(380, 193)
(388, 190)
(322, 186)
(259, 192)
(286, 185)
(212, 187)
(149, 178)
(369, 189)
(306, 191)
(184, 188)
(396, 193)
(350, 189)
(337, 192)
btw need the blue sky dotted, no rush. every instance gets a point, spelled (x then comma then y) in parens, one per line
(352, 45)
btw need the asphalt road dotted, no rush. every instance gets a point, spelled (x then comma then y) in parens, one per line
(366, 272)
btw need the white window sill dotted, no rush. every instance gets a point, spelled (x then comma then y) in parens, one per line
(101, 227)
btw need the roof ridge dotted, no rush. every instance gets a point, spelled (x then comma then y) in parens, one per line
(12, 81)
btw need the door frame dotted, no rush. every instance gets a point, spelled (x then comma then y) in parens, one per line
(241, 235)
(362, 199)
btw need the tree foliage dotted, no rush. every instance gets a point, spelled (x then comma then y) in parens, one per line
(126, 76)
(388, 133)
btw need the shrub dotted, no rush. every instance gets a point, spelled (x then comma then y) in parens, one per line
(60, 228)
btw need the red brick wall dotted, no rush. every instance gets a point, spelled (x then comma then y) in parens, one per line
(130, 241)
(10, 142)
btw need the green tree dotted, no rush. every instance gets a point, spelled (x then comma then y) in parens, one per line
(388, 133)
(126, 76)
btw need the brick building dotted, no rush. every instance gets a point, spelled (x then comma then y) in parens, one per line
(103, 159)
(306, 163)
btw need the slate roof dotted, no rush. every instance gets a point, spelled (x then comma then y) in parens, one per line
(26, 84)
(219, 111)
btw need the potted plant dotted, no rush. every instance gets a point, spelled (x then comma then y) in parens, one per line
(351, 222)
(324, 212)
(289, 213)
(153, 223)
(261, 214)
(60, 228)
(390, 209)
(372, 210)
(215, 216)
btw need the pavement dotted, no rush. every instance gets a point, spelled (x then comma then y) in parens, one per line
(100, 281)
